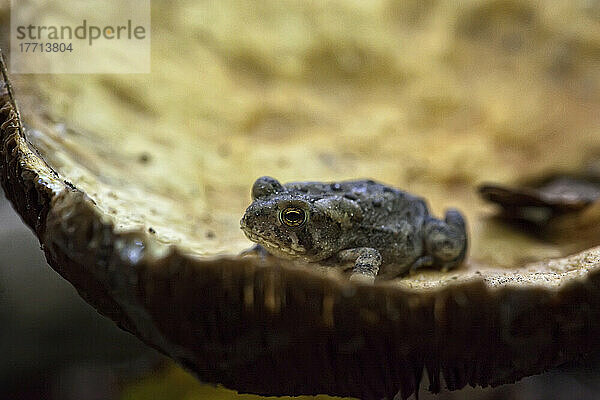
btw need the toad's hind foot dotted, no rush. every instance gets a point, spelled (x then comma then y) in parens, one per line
(425, 261)
(446, 241)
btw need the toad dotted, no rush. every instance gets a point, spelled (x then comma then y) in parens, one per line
(362, 222)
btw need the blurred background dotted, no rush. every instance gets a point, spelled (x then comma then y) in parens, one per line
(499, 74)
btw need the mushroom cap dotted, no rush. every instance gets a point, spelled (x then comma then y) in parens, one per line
(135, 185)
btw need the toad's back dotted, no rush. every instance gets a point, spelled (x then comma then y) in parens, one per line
(382, 205)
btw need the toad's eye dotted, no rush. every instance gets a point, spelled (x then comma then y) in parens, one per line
(292, 216)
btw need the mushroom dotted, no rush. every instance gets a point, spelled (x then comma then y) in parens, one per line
(273, 327)
(134, 186)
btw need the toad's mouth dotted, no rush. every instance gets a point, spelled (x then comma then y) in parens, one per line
(292, 250)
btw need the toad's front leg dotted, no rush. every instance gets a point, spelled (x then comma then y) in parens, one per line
(257, 250)
(366, 263)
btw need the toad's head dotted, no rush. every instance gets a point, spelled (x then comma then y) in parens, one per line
(290, 223)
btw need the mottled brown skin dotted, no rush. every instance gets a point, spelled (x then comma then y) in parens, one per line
(363, 222)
